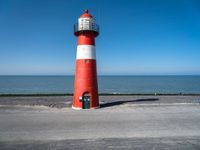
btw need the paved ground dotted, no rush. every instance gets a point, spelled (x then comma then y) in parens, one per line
(131, 123)
(106, 101)
(167, 143)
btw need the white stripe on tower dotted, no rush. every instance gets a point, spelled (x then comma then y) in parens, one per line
(86, 52)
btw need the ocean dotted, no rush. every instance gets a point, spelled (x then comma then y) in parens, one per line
(106, 84)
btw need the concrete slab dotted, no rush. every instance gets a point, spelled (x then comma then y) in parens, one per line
(122, 126)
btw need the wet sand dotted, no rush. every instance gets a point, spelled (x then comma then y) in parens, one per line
(123, 122)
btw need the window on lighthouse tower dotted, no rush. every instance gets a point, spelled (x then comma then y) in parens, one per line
(86, 24)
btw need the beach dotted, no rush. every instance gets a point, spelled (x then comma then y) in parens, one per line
(122, 122)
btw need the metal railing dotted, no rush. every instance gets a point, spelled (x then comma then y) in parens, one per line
(86, 27)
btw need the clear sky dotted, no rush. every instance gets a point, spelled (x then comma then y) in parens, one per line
(141, 37)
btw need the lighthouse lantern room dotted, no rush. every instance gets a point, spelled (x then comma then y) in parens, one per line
(85, 83)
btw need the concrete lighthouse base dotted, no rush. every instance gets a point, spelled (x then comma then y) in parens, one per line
(78, 108)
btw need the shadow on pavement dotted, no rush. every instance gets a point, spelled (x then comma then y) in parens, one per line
(110, 104)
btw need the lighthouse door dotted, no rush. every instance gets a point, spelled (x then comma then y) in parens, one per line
(86, 101)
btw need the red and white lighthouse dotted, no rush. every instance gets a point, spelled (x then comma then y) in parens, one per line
(85, 84)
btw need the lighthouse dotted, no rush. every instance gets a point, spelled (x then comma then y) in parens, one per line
(85, 83)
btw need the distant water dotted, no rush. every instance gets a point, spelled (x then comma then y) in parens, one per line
(107, 84)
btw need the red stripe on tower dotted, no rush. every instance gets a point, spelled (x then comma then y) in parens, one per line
(85, 84)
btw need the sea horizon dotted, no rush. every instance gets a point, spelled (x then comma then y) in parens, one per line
(107, 84)
(106, 75)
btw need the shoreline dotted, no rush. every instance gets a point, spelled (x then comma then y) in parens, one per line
(102, 94)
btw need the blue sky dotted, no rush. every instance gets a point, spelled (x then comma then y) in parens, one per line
(142, 37)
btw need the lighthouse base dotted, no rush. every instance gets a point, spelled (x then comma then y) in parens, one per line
(78, 108)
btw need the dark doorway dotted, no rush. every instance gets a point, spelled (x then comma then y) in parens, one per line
(86, 101)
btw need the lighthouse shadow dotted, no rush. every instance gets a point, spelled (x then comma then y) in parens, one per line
(115, 103)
